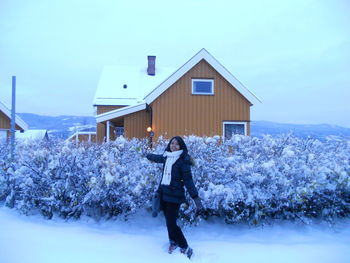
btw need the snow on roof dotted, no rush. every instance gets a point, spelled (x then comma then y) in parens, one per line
(31, 134)
(18, 120)
(125, 85)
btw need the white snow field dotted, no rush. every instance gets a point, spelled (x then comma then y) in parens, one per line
(32, 239)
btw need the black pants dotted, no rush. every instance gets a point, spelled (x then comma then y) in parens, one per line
(171, 213)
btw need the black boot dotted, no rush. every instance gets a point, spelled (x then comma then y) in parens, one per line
(172, 246)
(187, 251)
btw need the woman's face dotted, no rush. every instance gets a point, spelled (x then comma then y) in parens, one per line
(174, 145)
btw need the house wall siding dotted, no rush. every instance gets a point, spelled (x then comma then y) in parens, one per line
(103, 109)
(5, 122)
(178, 112)
(100, 132)
(136, 124)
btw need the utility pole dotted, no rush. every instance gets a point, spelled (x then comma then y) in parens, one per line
(13, 117)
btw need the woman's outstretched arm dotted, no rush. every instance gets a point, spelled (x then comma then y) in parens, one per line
(157, 158)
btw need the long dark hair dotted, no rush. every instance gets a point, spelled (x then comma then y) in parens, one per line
(181, 143)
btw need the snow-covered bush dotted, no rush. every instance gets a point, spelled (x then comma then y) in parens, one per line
(252, 179)
(5, 166)
(71, 180)
(244, 179)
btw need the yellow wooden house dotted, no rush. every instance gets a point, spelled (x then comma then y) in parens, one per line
(201, 98)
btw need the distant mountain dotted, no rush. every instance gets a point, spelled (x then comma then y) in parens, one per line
(59, 126)
(64, 126)
(319, 131)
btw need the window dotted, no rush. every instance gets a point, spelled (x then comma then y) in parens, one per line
(232, 128)
(119, 131)
(203, 86)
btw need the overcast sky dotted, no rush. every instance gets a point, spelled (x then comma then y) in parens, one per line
(293, 55)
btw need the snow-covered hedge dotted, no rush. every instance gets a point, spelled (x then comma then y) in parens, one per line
(245, 179)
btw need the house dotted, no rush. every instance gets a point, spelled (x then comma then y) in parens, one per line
(5, 122)
(32, 135)
(83, 136)
(201, 97)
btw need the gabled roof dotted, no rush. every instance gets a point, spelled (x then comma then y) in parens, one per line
(18, 120)
(202, 54)
(110, 89)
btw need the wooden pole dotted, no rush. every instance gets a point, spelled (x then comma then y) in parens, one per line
(13, 116)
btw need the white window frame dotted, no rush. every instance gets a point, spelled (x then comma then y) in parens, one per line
(203, 93)
(234, 122)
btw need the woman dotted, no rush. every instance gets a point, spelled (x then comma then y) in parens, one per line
(176, 175)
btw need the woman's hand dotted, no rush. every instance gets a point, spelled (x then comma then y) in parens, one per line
(144, 153)
(199, 206)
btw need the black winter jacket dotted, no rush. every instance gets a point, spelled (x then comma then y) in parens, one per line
(180, 176)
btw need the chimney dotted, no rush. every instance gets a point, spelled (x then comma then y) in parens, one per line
(151, 70)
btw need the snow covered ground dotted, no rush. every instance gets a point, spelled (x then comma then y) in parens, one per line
(33, 239)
